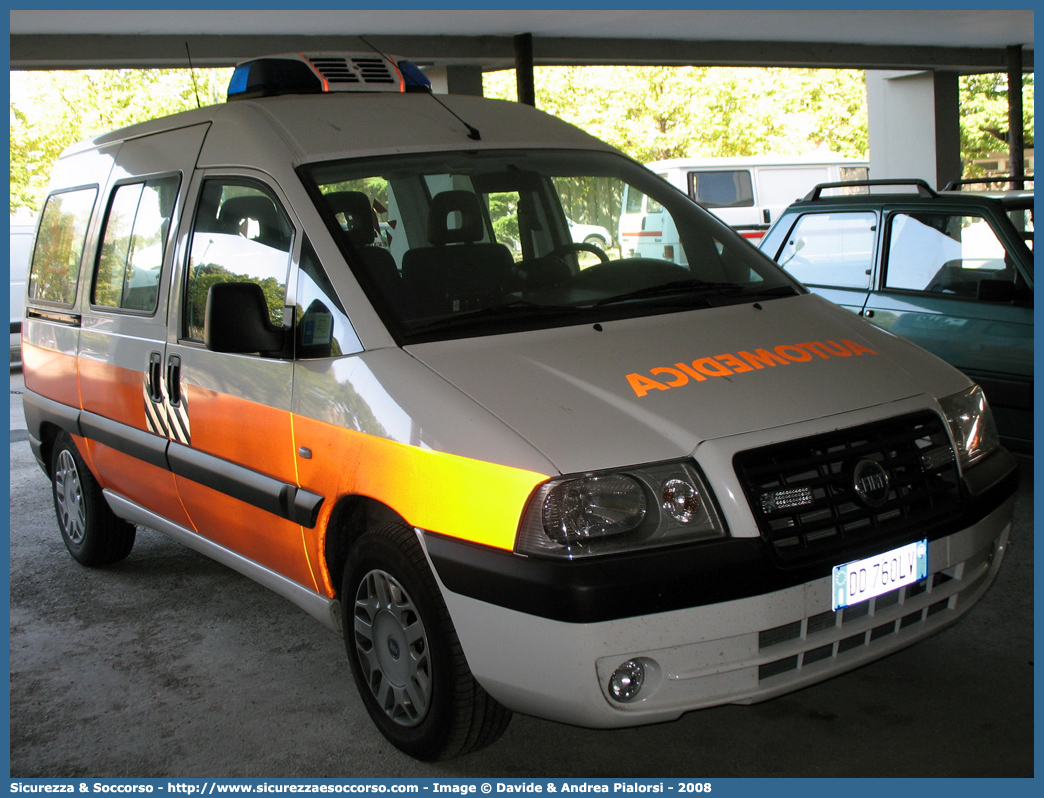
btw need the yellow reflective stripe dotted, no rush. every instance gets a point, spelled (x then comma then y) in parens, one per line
(457, 496)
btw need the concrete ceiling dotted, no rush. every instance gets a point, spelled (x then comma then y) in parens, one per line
(960, 40)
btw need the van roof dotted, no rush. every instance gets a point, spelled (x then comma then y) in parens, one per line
(320, 127)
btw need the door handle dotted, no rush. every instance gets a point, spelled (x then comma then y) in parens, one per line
(155, 389)
(174, 379)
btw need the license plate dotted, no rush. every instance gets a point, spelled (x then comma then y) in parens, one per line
(863, 579)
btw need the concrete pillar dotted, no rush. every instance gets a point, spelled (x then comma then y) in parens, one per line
(914, 125)
(524, 69)
(455, 80)
(1016, 139)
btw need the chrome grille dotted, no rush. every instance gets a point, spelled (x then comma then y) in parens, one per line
(804, 493)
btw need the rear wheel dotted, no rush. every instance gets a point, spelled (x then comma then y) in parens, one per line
(405, 655)
(91, 531)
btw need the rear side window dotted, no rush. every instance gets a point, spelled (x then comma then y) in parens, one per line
(241, 234)
(945, 253)
(133, 245)
(731, 189)
(59, 245)
(831, 249)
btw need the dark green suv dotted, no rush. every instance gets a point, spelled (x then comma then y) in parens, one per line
(946, 270)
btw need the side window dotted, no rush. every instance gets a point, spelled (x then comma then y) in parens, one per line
(944, 253)
(59, 245)
(323, 329)
(834, 249)
(133, 243)
(633, 203)
(722, 189)
(240, 234)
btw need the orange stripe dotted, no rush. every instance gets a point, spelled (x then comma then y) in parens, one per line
(260, 438)
(150, 486)
(241, 431)
(118, 393)
(50, 373)
(113, 392)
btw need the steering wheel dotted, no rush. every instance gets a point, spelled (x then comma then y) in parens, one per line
(566, 249)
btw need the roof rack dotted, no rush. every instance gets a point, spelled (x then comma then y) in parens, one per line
(955, 185)
(923, 189)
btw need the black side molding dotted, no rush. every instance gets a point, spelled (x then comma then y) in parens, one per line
(40, 409)
(138, 443)
(267, 493)
(249, 486)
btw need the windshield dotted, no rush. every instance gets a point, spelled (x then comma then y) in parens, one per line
(475, 243)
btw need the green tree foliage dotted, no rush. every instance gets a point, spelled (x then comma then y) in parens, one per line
(984, 117)
(51, 110)
(672, 112)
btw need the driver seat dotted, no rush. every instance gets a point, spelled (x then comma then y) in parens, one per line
(459, 271)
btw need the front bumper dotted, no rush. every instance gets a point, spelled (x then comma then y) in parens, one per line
(739, 651)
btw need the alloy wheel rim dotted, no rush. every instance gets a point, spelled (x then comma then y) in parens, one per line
(69, 494)
(392, 648)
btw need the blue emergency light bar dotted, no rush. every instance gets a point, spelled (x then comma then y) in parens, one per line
(318, 73)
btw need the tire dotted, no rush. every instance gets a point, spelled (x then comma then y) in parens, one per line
(598, 241)
(91, 531)
(405, 656)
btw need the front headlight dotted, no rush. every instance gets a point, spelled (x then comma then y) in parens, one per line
(607, 513)
(971, 424)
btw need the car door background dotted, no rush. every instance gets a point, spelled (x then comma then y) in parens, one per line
(833, 253)
(927, 294)
(235, 471)
(123, 334)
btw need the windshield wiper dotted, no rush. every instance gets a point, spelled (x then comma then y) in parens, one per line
(514, 308)
(686, 287)
(693, 288)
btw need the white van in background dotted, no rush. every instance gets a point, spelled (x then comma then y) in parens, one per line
(22, 229)
(745, 193)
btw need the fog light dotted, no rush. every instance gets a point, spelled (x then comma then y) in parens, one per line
(626, 681)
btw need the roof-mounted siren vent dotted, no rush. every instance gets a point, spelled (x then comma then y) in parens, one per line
(319, 73)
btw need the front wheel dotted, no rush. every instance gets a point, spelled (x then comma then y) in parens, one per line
(405, 656)
(93, 534)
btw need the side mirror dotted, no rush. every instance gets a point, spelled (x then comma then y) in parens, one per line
(237, 320)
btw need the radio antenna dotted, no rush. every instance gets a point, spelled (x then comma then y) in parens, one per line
(192, 72)
(473, 132)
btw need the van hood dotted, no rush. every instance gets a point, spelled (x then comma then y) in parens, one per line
(649, 389)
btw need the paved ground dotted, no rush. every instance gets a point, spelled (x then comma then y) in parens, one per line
(171, 665)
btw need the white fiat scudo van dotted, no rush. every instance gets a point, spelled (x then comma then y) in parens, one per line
(336, 335)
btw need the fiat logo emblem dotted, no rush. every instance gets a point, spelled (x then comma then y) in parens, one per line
(870, 482)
